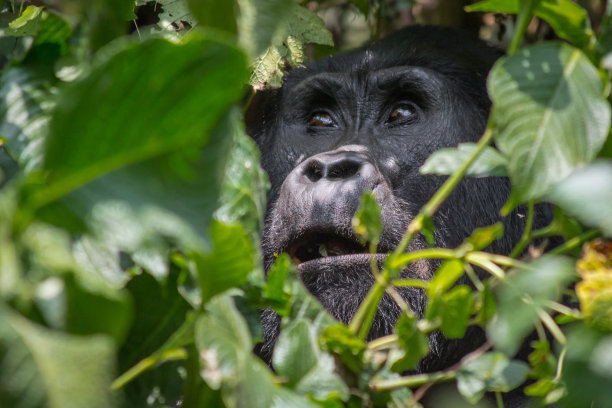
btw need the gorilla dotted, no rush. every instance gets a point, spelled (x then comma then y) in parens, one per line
(366, 120)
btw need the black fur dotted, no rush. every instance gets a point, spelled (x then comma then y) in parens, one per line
(318, 173)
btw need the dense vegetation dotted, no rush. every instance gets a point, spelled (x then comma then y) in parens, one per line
(131, 203)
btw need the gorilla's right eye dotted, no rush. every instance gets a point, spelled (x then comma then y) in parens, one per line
(321, 119)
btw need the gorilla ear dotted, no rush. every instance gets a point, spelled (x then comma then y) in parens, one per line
(261, 113)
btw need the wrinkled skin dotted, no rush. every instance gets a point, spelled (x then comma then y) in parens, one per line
(366, 121)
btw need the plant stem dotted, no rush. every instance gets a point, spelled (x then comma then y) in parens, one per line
(412, 380)
(526, 238)
(499, 399)
(575, 242)
(382, 342)
(443, 192)
(147, 363)
(522, 22)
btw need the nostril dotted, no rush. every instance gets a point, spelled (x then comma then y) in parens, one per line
(343, 169)
(314, 170)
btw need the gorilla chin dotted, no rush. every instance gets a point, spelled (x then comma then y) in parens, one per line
(366, 120)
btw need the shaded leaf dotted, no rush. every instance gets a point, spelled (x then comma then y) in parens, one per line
(453, 308)
(519, 298)
(185, 100)
(413, 342)
(489, 372)
(42, 368)
(228, 265)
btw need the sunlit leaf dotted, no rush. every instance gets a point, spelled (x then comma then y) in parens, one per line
(550, 114)
(448, 160)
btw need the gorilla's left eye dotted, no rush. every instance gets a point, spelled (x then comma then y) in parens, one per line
(321, 119)
(402, 113)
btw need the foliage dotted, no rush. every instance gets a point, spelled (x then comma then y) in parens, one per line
(131, 203)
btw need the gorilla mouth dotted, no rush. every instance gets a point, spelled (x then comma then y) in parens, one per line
(324, 245)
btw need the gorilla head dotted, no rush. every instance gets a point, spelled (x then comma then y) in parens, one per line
(366, 120)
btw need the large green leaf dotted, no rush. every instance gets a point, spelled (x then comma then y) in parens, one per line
(245, 184)
(151, 98)
(586, 194)
(42, 368)
(224, 344)
(521, 295)
(228, 265)
(550, 114)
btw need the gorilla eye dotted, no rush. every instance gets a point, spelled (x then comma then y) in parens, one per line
(403, 112)
(321, 119)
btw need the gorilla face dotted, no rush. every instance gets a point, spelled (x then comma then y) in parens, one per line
(366, 121)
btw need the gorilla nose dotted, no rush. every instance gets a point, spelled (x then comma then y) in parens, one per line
(333, 168)
(338, 166)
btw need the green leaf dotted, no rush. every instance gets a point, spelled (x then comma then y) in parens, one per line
(27, 23)
(294, 353)
(367, 222)
(489, 372)
(182, 103)
(453, 309)
(224, 344)
(519, 298)
(295, 29)
(447, 161)
(604, 39)
(483, 237)
(445, 277)
(308, 370)
(362, 6)
(586, 370)
(43, 368)
(159, 311)
(550, 114)
(262, 23)
(413, 342)
(586, 194)
(277, 275)
(245, 184)
(341, 341)
(25, 108)
(213, 13)
(568, 19)
(228, 265)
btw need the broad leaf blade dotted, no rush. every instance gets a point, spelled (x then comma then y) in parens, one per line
(42, 368)
(151, 98)
(550, 114)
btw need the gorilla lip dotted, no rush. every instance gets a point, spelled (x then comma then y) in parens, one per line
(323, 245)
